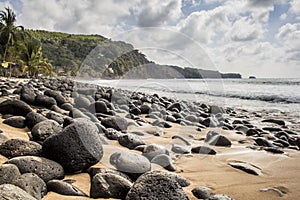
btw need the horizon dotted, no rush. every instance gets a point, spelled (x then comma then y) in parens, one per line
(250, 37)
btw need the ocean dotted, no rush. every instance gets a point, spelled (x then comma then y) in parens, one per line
(277, 95)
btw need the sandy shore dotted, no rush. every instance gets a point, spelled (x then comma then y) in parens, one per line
(278, 171)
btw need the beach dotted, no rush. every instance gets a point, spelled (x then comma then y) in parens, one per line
(232, 151)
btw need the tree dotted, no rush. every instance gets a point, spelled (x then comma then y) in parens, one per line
(9, 33)
(34, 60)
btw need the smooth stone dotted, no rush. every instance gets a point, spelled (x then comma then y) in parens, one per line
(77, 147)
(274, 150)
(67, 106)
(42, 130)
(64, 188)
(204, 150)
(98, 107)
(263, 142)
(180, 149)
(152, 150)
(174, 106)
(215, 139)
(165, 161)
(272, 129)
(33, 118)
(252, 132)
(17, 147)
(93, 171)
(43, 167)
(15, 121)
(15, 107)
(60, 99)
(109, 185)
(32, 184)
(216, 110)
(8, 173)
(81, 102)
(130, 162)
(156, 185)
(182, 139)
(246, 167)
(201, 192)
(28, 95)
(45, 101)
(118, 123)
(59, 118)
(12, 192)
(130, 140)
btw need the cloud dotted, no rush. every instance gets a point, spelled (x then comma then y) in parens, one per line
(156, 12)
(245, 29)
(289, 36)
(262, 3)
(295, 7)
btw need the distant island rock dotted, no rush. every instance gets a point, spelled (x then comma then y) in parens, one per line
(252, 77)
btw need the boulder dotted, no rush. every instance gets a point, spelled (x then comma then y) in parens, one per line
(45, 101)
(18, 147)
(201, 192)
(165, 161)
(109, 185)
(98, 107)
(33, 118)
(42, 130)
(76, 147)
(64, 188)
(204, 150)
(152, 150)
(28, 95)
(174, 107)
(130, 163)
(156, 185)
(32, 184)
(15, 107)
(215, 139)
(59, 118)
(46, 169)
(81, 102)
(8, 173)
(130, 140)
(60, 99)
(118, 123)
(112, 134)
(176, 148)
(12, 192)
(15, 121)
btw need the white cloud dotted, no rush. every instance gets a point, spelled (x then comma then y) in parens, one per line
(295, 6)
(245, 29)
(156, 12)
(283, 16)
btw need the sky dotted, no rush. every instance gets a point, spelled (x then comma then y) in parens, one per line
(251, 37)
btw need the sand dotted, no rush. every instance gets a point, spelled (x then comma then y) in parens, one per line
(278, 170)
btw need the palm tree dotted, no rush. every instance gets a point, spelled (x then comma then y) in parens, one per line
(34, 60)
(9, 33)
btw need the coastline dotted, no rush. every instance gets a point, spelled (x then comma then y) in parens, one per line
(279, 171)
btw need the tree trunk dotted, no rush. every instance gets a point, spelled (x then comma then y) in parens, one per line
(6, 48)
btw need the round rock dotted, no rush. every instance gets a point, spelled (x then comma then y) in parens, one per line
(130, 162)
(130, 140)
(156, 185)
(8, 173)
(15, 121)
(42, 130)
(33, 118)
(17, 147)
(64, 188)
(201, 192)
(44, 168)
(15, 107)
(76, 147)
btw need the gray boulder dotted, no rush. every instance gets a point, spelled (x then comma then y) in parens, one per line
(165, 161)
(130, 162)
(8, 173)
(201, 192)
(12, 192)
(15, 107)
(33, 118)
(42, 130)
(44, 168)
(156, 185)
(45, 101)
(15, 121)
(32, 184)
(109, 185)
(17, 147)
(130, 140)
(118, 123)
(152, 150)
(215, 139)
(64, 188)
(76, 147)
